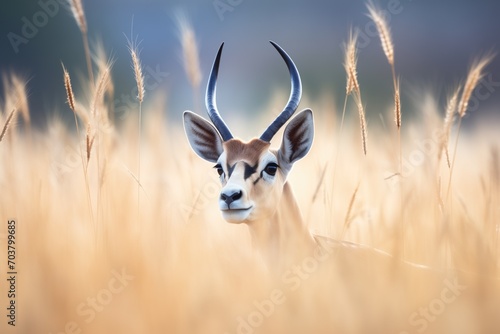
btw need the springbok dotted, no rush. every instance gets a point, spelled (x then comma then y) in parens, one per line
(255, 190)
(253, 176)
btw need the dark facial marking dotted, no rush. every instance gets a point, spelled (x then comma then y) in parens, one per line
(230, 170)
(249, 170)
(260, 177)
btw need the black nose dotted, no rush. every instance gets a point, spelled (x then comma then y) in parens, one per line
(231, 197)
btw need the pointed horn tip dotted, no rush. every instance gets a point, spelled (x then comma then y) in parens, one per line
(220, 49)
(219, 53)
(293, 101)
(276, 46)
(210, 100)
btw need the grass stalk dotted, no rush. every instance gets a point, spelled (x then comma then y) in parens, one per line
(139, 79)
(79, 15)
(8, 124)
(72, 105)
(476, 73)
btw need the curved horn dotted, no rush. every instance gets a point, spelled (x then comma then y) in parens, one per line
(210, 102)
(293, 101)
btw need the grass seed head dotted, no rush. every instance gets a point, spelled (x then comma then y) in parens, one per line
(383, 30)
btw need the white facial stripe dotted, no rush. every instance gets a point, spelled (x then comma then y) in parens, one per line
(222, 163)
(266, 159)
(246, 186)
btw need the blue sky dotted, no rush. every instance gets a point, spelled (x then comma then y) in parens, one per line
(435, 41)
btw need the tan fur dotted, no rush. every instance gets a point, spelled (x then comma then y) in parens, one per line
(249, 152)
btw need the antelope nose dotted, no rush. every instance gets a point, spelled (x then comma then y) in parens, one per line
(230, 198)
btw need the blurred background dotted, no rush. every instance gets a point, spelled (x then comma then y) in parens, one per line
(83, 219)
(435, 42)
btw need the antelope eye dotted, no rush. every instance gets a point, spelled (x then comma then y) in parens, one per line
(219, 169)
(271, 168)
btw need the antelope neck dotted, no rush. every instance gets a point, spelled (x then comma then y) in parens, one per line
(283, 234)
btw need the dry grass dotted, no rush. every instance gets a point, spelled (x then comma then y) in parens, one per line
(139, 76)
(69, 90)
(89, 139)
(78, 12)
(193, 273)
(17, 95)
(451, 109)
(376, 14)
(189, 52)
(139, 80)
(350, 64)
(7, 124)
(352, 87)
(190, 272)
(190, 57)
(476, 73)
(397, 106)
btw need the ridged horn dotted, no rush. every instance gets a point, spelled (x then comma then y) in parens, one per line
(210, 100)
(293, 101)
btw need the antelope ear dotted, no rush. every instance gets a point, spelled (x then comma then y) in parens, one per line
(297, 139)
(203, 137)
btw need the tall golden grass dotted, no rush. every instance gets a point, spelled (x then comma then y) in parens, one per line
(187, 271)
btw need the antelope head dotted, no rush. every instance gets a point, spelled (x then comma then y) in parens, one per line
(252, 175)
